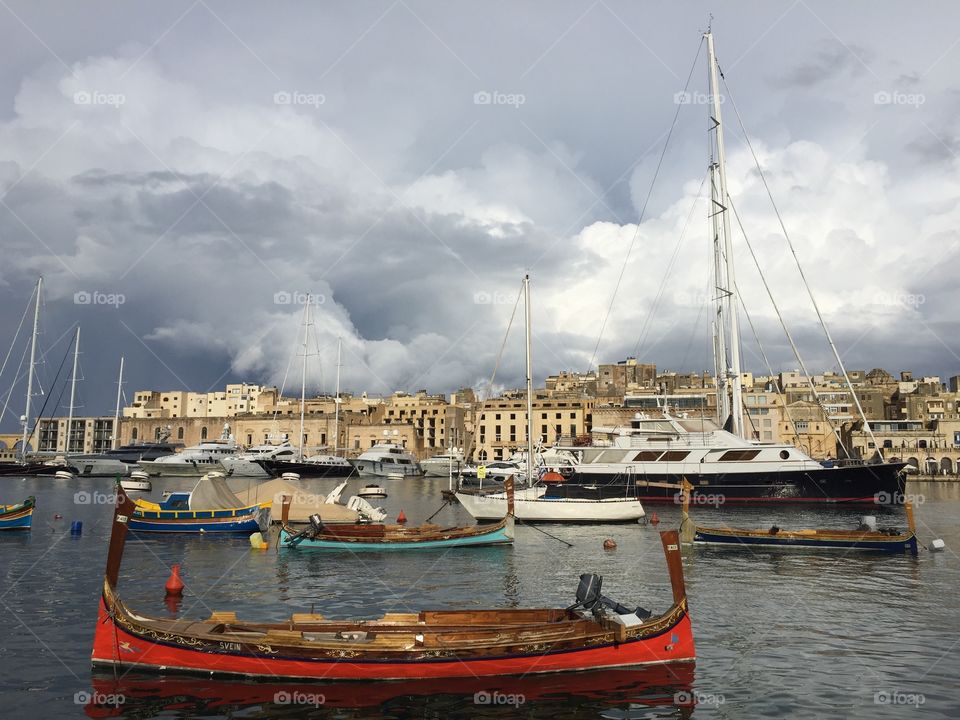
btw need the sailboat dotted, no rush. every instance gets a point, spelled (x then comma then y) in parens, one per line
(320, 465)
(593, 633)
(657, 450)
(537, 501)
(21, 466)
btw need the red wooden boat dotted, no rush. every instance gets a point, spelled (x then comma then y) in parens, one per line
(594, 633)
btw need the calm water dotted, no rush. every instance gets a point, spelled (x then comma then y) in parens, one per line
(778, 633)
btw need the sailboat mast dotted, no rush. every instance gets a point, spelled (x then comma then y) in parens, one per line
(734, 376)
(33, 359)
(526, 303)
(73, 391)
(720, 313)
(336, 401)
(303, 374)
(116, 413)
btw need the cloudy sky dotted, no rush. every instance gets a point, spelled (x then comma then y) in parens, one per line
(182, 174)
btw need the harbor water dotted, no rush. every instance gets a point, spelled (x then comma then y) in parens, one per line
(782, 633)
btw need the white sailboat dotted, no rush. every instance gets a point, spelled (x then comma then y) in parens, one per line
(537, 502)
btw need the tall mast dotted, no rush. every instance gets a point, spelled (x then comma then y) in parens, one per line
(73, 391)
(303, 376)
(526, 303)
(719, 320)
(33, 358)
(336, 401)
(116, 413)
(734, 376)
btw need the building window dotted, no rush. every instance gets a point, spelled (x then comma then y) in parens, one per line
(133, 434)
(180, 433)
(203, 433)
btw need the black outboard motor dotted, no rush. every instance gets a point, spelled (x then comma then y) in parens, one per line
(316, 524)
(589, 598)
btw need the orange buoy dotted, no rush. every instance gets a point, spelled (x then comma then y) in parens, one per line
(609, 544)
(174, 584)
(401, 518)
(654, 519)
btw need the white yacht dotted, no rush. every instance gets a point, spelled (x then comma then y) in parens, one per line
(198, 460)
(442, 464)
(387, 459)
(247, 463)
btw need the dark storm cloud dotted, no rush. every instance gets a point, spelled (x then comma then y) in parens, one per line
(414, 209)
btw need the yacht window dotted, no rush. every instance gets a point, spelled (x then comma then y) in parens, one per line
(674, 456)
(647, 455)
(735, 455)
(784, 454)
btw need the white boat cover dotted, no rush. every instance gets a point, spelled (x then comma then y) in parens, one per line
(213, 493)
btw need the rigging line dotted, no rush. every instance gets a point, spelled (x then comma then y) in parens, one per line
(496, 366)
(696, 326)
(645, 330)
(783, 324)
(283, 385)
(763, 354)
(6, 400)
(16, 335)
(813, 300)
(643, 210)
(46, 397)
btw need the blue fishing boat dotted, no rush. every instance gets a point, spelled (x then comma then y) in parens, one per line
(19, 516)
(211, 507)
(318, 536)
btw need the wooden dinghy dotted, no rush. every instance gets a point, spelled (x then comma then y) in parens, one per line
(593, 633)
(869, 540)
(19, 516)
(396, 537)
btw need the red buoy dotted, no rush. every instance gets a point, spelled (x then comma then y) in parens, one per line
(401, 518)
(174, 584)
(654, 519)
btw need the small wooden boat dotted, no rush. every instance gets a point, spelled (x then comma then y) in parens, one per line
(863, 539)
(17, 517)
(537, 504)
(396, 537)
(592, 634)
(211, 507)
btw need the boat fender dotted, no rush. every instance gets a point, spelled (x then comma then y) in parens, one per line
(76, 527)
(937, 545)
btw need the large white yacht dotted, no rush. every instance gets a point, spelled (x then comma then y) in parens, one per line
(199, 459)
(387, 459)
(247, 463)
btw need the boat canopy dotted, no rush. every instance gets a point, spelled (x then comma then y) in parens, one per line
(212, 493)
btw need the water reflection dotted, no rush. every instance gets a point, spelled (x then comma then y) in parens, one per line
(620, 693)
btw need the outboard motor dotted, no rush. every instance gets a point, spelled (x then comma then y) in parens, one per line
(316, 524)
(589, 598)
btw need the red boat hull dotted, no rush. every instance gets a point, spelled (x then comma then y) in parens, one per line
(114, 646)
